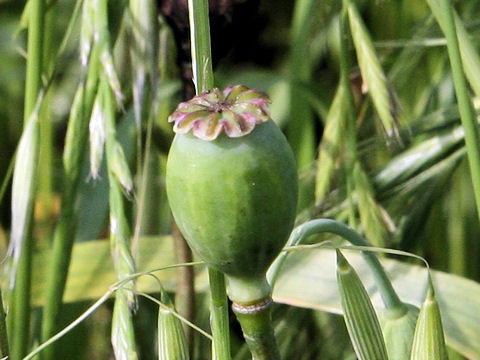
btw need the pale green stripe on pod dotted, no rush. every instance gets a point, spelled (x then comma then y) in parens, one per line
(172, 344)
(429, 340)
(359, 314)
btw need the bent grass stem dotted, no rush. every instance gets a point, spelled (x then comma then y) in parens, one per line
(299, 234)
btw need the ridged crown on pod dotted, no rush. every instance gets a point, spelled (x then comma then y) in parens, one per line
(235, 111)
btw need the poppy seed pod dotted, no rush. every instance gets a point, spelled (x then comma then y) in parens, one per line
(232, 185)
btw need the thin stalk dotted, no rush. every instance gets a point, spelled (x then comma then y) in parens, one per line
(65, 227)
(351, 139)
(201, 48)
(4, 352)
(385, 288)
(21, 315)
(219, 324)
(203, 79)
(45, 182)
(444, 15)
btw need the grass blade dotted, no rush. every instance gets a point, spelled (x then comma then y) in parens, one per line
(359, 314)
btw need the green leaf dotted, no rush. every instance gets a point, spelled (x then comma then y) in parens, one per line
(91, 270)
(308, 280)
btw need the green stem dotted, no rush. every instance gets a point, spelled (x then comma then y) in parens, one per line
(65, 227)
(444, 14)
(203, 79)
(219, 322)
(201, 49)
(35, 55)
(387, 292)
(4, 352)
(350, 138)
(21, 314)
(258, 331)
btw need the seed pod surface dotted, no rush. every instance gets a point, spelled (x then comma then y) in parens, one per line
(233, 198)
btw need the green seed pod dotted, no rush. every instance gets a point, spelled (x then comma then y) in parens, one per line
(398, 327)
(232, 185)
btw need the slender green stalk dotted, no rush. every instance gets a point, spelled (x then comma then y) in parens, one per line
(200, 42)
(4, 352)
(203, 80)
(35, 55)
(386, 290)
(63, 240)
(219, 324)
(350, 132)
(21, 307)
(443, 12)
(45, 182)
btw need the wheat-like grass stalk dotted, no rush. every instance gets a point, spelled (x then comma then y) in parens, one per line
(371, 215)
(372, 72)
(123, 339)
(331, 143)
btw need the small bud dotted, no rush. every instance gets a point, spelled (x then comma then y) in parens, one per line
(172, 343)
(429, 341)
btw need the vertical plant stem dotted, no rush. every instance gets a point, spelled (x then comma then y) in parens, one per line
(63, 240)
(21, 307)
(220, 324)
(45, 182)
(443, 12)
(203, 80)
(4, 352)
(201, 48)
(351, 140)
(35, 55)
